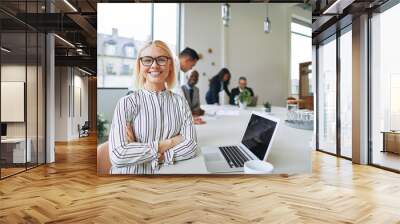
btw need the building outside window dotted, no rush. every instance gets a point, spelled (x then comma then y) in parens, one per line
(128, 27)
(122, 30)
(126, 70)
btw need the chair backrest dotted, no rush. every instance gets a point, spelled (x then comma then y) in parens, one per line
(86, 125)
(103, 159)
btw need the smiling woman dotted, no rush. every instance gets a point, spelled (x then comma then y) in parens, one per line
(152, 126)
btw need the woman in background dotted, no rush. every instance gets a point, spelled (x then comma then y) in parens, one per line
(152, 125)
(217, 83)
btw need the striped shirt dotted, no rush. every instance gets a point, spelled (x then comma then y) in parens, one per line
(154, 117)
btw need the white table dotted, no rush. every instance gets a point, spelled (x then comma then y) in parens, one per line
(18, 150)
(290, 152)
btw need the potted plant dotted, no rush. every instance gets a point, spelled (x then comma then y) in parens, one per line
(244, 98)
(267, 107)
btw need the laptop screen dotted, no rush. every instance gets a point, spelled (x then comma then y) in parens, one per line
(258, 135)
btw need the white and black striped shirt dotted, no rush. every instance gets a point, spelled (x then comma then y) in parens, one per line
(154, 117)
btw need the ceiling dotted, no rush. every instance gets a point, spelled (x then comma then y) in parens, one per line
(76, 23)
(332, 15)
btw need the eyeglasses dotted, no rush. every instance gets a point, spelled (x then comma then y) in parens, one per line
(148, 61)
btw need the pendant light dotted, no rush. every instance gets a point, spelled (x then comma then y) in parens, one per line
(267, 23)
(226, 14)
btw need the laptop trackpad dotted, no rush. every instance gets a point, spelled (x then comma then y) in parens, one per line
(212, 157)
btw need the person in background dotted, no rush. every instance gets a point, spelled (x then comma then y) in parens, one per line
(217, 83)
(152, 125)
(187, 60)
(236, 91)
(191, 93)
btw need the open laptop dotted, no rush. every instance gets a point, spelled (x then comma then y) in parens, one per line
(255, 145)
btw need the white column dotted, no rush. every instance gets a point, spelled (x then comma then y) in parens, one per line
(360, 90)
(50, 101)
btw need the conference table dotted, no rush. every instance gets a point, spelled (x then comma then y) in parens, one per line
(225, 125)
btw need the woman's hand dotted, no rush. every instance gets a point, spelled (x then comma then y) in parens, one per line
(160, 157)
(165, 145)
(130, 134)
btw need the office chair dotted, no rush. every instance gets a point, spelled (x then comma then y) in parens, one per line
(84, 130)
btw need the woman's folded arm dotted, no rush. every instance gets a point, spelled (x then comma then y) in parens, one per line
(123, 152)
(186, 146)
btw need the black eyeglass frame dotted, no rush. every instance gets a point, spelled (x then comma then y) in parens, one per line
(154, 59)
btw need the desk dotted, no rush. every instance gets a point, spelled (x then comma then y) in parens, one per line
(290, 152)
(13, 150)
(391, 141)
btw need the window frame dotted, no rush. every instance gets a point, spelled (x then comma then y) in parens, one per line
(302, 23)
(333, 37)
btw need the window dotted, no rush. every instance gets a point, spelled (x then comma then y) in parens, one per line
(346, 93)
(334, 102)
(166, 24)
(110, 69)
(327, 96)
(385, 88)
(110, 48)
(130, 51)
(126, 70)
(130, 26)
(300, 51)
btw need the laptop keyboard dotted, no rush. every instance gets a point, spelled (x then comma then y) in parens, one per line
(233, 156)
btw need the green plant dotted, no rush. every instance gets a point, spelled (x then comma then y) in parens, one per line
(245, 97)
(101, 127)
(267, 105)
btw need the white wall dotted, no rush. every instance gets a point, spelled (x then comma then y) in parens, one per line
(61, 103)
(202, 30)
(263, 58)
(68, 82)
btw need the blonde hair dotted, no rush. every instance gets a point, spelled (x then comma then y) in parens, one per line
(171, 78)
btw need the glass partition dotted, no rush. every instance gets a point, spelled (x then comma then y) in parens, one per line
(13, 86)
(22, 77)
(327, 96)
(346, 93)
(385, 89)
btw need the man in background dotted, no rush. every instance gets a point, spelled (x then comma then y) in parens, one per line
(187, 60)
(236, 91)
(191, 93)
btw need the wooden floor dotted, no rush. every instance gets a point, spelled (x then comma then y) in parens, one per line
(69, 191)
(10, 171)
(387, 159)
